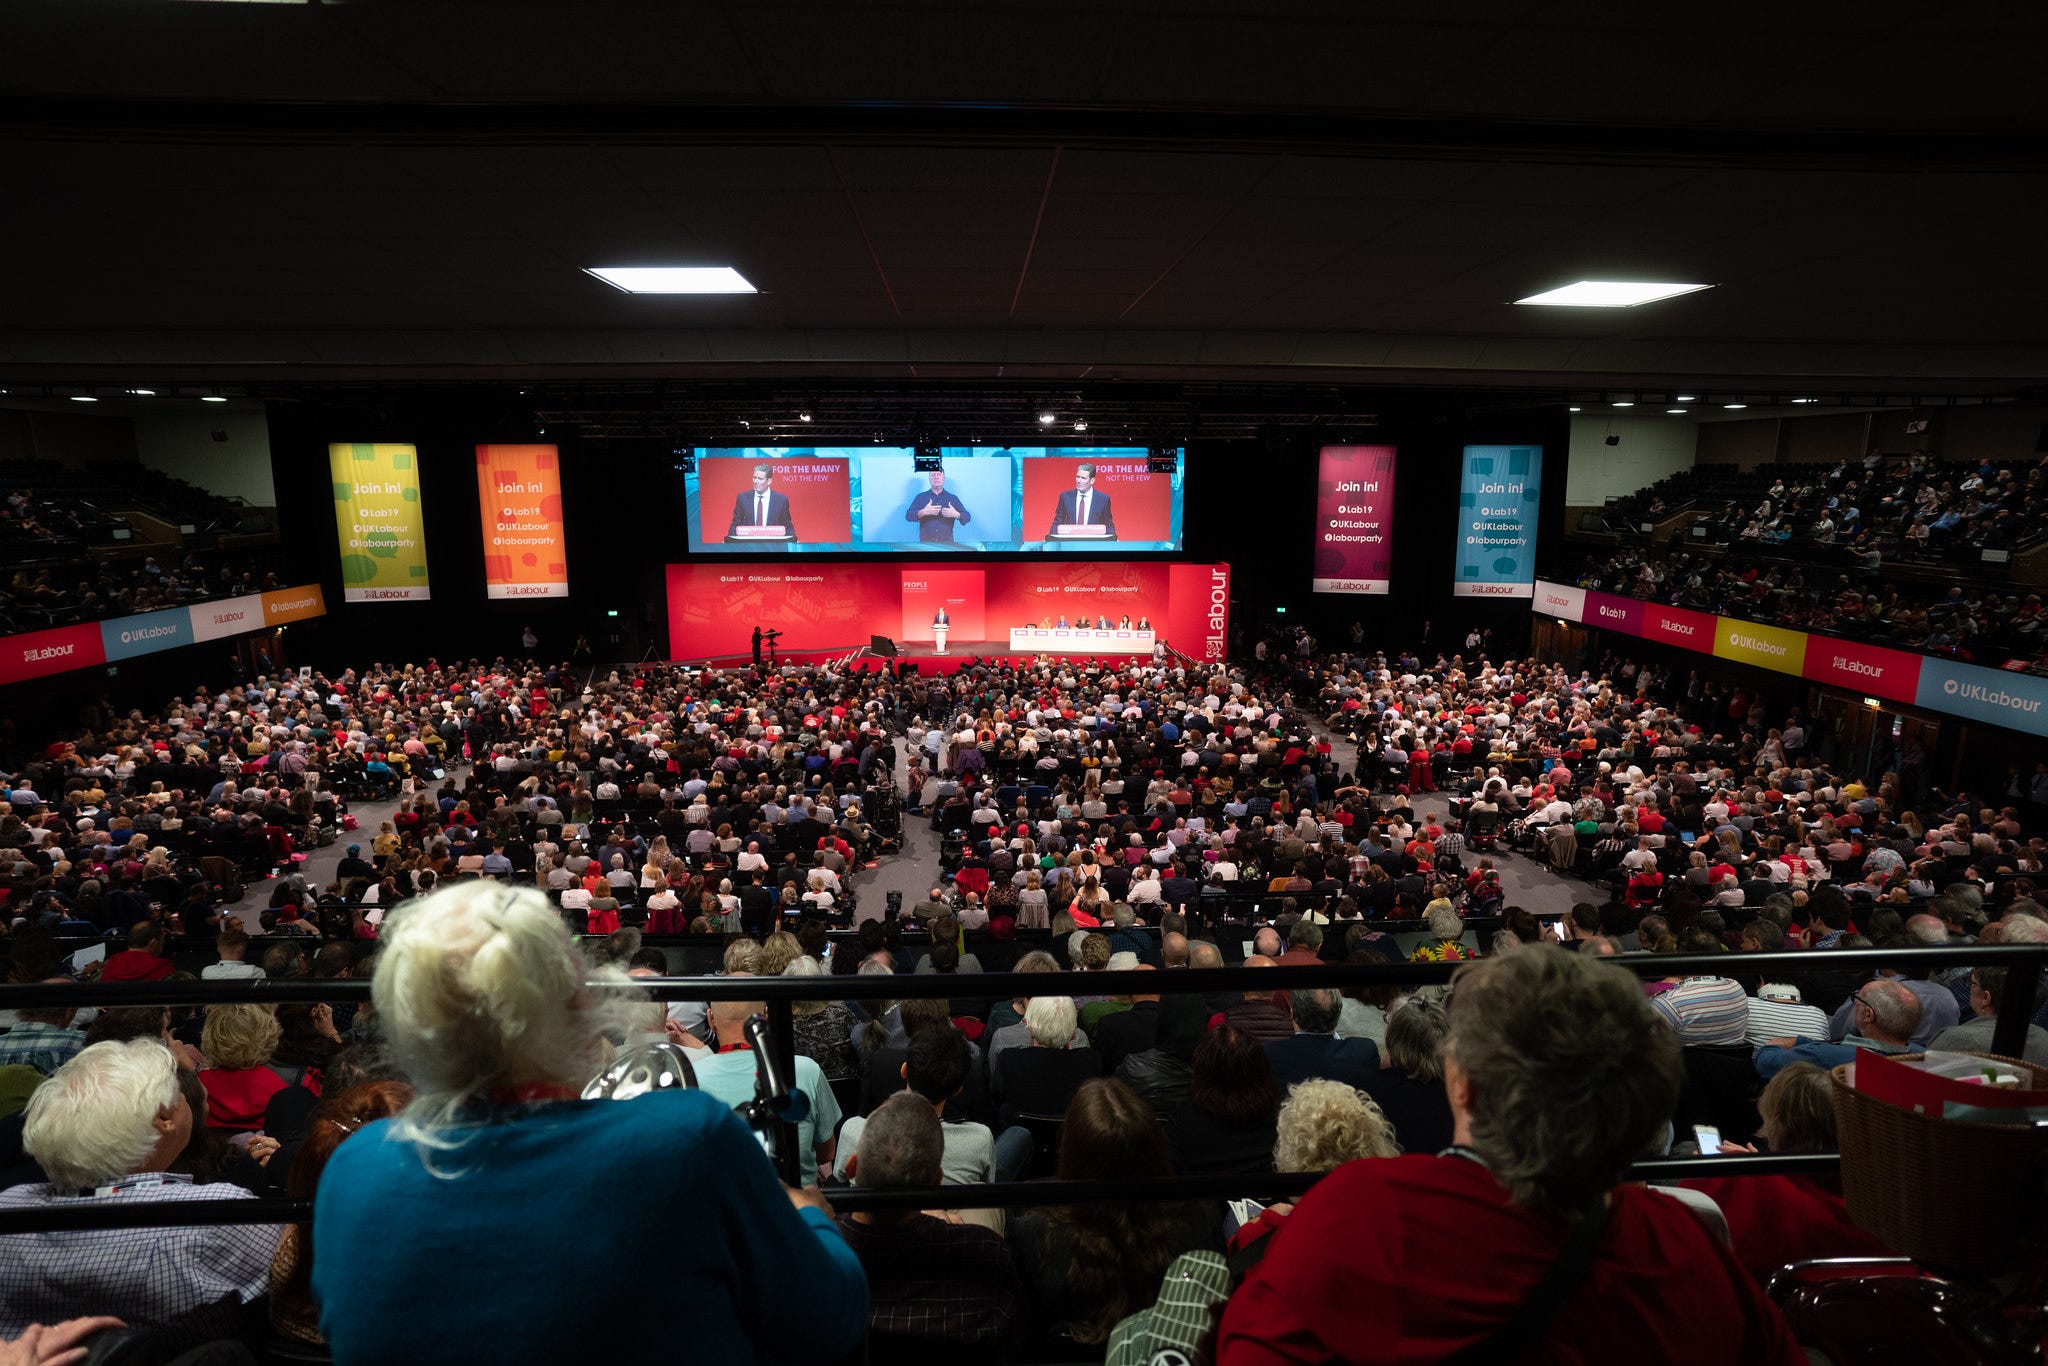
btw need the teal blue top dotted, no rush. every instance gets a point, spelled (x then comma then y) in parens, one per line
(640, 1230)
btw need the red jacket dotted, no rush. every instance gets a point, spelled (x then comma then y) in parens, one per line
(237, 1097)
(1773, 1220)
(133, 965)
(1410, 1259)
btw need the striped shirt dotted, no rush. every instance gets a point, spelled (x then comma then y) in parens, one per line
(1785, 1020)
(1705, 1011)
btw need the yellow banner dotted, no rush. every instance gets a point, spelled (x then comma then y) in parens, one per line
(377, 515)
(1767, 647)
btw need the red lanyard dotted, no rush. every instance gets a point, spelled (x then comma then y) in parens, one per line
(532, 1093)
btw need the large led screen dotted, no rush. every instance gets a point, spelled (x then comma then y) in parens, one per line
(893, 499)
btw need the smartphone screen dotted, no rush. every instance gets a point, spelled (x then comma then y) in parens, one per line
(1709, 1139)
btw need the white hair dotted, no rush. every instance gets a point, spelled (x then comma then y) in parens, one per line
(1125, 961)
(2021, 928)
(803, 965)
(1051, 1020)
(93, 1121)
(478, 987)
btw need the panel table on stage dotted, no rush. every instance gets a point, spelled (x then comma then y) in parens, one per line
(1080, 640)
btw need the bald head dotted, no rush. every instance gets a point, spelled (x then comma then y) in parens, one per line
(1173, 949)
(1203, 954)
(1259, 960)
(1266, 943)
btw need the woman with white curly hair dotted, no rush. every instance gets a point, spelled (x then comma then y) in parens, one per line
(483, 1002)
(1323, 1125)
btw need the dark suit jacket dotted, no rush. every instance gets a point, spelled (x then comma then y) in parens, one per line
(1126, 1032)
(1040, 1081)
(778, 512)
(757, 909)
(1351, 1061)
(1068, 511)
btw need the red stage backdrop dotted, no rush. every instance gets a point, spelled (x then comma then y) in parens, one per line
(820, 496)
(713, 609)
(959, 590)
(1140, 502)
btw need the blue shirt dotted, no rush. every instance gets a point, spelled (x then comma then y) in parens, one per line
(730, 1077)
(1827, 1056)
(549, 1213)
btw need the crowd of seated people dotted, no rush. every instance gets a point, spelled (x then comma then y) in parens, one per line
(1915, 508)
(1964, 620)
(444, 1138)
(33, 525)
(40, 596)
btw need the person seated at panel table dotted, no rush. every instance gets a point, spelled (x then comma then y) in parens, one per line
(1125, 624)
(1144, 624)
(761, 505)
(1060, 624)
(1101, 622)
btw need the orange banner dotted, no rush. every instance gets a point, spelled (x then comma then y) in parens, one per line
(281, 605)
(519, 494)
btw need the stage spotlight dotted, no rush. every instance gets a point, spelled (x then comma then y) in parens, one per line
(1047, 419)
(1080, 426)
(803, 417)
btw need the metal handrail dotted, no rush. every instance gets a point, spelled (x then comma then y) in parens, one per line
(779, 995)
(854, 1199)
(920, 986)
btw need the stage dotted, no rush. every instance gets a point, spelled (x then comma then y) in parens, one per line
(919, 660)
(998, 609)
(924, 649)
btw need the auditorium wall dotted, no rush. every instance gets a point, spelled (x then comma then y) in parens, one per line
(1746, 444)
(1651, 448)
(2001, 432)
(183, 446)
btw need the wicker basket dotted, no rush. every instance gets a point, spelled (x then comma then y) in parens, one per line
(1949, 1194)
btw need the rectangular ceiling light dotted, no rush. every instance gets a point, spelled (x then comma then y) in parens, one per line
(1609, 294)
(673, 279)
